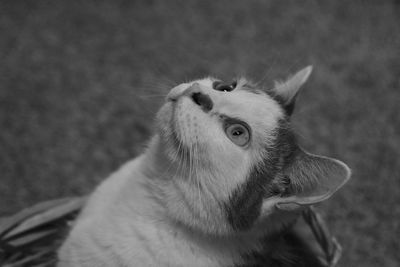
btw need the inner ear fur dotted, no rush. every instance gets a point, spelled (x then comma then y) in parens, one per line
(286, 92)
(309, 179)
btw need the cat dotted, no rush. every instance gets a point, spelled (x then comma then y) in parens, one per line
(220, 181)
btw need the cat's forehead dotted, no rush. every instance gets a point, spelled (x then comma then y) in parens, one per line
(250, 105)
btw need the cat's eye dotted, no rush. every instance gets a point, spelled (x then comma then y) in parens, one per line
(223, 87)
(238, 134)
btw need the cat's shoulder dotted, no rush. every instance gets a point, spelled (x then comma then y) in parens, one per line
(111, 188)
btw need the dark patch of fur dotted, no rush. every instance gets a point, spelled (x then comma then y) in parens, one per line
(288, 108)
(252, 88)
(282, 249)
(244, 205)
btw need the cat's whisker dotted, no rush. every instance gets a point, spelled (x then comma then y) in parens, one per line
(179, 152)
(172, 163)
(193, 178)
(180, 160)
(184, 162)
(197, 177)
(190, 159)
(183, 153)
(187, 162)
(159, 76)
(191, 164)
(160, 82)
(158, 86)
(266, 75)
(150, 96)
(160, 70)
(151, 93)
(229, 174)
(295, 63)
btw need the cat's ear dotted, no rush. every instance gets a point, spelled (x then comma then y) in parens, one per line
(308, 179)
(286, 92)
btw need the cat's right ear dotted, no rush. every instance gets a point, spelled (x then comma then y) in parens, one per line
(286, 92)
(307, 180)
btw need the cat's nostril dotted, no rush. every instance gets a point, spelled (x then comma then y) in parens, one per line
(203, 100)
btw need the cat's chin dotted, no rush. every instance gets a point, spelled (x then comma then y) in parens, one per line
(174, 123)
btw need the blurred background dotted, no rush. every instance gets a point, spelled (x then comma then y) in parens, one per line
(80, 82)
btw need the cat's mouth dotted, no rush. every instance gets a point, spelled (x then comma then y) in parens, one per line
(182, 120)
(189, 107)
(182, 130)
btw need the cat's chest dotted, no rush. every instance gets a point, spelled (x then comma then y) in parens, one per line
(160, 247)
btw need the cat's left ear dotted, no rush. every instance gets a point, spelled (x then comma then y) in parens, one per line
(307, 180)
(286, 92)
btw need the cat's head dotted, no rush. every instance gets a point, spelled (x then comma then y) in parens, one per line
(233, 158)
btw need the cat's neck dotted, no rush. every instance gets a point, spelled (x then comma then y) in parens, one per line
(167, 188)
(157, 165)
(152, 200)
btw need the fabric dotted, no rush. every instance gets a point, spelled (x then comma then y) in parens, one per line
(32, 237)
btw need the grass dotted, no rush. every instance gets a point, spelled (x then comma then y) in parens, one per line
(80, 82)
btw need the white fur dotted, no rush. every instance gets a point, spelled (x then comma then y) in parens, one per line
(125, 223)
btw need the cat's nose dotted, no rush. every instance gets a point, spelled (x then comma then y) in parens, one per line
(199, 97)
(177, 91)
